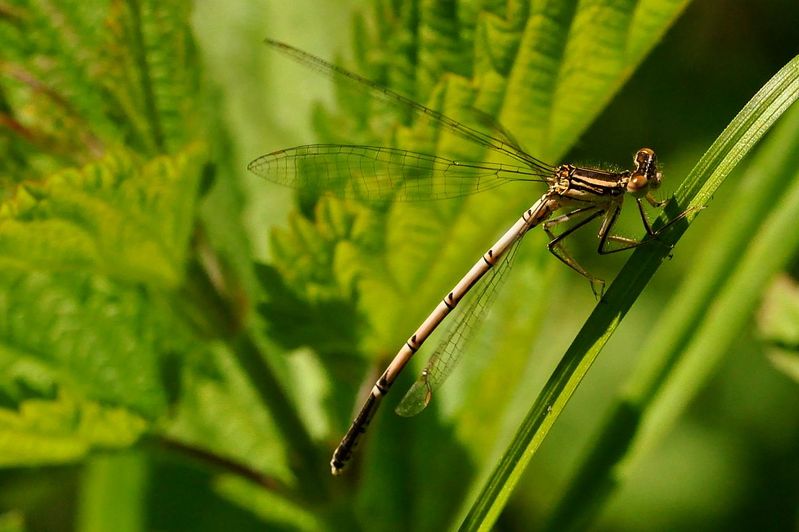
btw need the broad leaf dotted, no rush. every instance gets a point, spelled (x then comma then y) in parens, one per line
(122, 217)
(63, 429)
(545, 69)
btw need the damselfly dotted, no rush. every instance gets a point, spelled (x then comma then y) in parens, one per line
(378, 173)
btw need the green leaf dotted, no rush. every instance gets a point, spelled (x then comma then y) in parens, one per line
(154, 43)
(49, 52)
(309, 293)
(221, 413)
(433, 241)
(120, 216)
(89, 256)
(113, 493)
(109, 341)
(327, 325)
(63, 429)
(110, 284)
(508, 327)
(739, 137)
(545, 69)
(84, 77)
(276, 511)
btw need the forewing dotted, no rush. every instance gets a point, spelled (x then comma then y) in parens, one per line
(379, 173)
(385, 94)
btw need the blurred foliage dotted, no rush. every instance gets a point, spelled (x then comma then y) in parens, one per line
(778, 322)
(171, 362)
(97, 213)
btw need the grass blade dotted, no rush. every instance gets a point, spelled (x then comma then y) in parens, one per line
(731, 146)
(695, 331)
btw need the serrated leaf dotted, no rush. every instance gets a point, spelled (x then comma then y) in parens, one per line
(62, 430)
(326, 324)
(120, 216)
(545, 69)
(221, 413)
(530, 81)
(81, 77)
(156, 47)
(49, 52)
(106, 341)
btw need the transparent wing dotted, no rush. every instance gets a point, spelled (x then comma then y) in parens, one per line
(449, 350)
(379, 173)
(385, 94)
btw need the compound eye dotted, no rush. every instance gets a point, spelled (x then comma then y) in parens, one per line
(637, 182)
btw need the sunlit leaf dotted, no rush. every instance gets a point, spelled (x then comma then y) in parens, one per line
(63, 429)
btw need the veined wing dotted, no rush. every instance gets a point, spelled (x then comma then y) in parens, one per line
(385, 94)
(449, 351)
(380, 173)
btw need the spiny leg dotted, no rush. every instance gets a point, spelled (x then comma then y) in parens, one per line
(650, 198)
(630, 243)
(611, 217)
(556, 244)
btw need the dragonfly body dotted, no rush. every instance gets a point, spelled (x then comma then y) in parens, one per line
(378, 174)
(569, 186)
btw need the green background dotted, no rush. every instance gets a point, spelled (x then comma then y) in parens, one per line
(131, 393)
